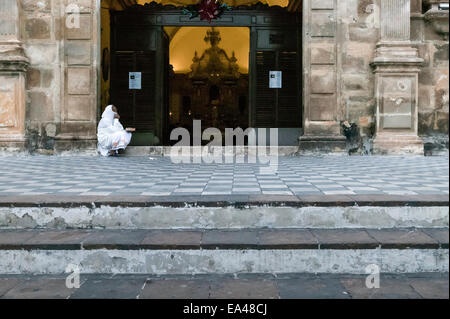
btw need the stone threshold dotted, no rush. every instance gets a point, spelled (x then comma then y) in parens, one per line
(254, 239)
(238, 201)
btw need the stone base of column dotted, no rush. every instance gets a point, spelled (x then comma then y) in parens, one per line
(13, 66)
(397, 144)
(12, 143)
(396, 68)
(322, 144)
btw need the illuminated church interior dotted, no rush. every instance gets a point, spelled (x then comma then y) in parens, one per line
(206, 71)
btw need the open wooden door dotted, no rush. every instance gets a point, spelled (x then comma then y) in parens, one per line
(142, 53)
(276, 49)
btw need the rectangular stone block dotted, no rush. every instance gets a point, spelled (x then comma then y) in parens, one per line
(8, 115)
(322, 4)
(322, 108)
(41, 107)
(78, 52)
(323, 80)
(396, 110)
(323, 24)
(79, 81)
(83, 5)
(33, 5)
(83, 32)
(41, 53)
(38, 28)
(323, 53)
(79, 108)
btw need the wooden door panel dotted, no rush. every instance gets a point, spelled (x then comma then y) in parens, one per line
(265, 97)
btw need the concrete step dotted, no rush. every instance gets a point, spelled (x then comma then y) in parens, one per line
(223, 212)
(209, 251)
(228, 286)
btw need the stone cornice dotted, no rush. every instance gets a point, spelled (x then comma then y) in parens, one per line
(12, 57)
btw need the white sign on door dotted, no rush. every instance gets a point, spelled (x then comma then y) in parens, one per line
(135, 80)
(275, 79)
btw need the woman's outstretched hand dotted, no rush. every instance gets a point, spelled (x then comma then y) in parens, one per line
(130, 129)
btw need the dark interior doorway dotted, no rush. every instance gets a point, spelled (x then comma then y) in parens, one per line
(140, 43)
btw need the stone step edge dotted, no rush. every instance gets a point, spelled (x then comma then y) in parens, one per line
(239, 201)
(260, 239)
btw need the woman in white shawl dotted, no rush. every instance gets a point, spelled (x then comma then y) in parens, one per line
(111, 134)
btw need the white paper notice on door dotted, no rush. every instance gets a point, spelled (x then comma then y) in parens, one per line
(135, 80)
(275, 79)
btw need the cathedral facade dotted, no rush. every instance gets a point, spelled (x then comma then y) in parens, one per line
(356, 76)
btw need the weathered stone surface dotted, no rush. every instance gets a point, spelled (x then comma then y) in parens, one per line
(33, 78)
(435, 288)
(171, 239)
(287, 239)
(340, 239)
(40, 289)
(323, 80)
(389, 288)
(79, 108)
(41, 107)
(406, 238)
(79, 81)
(244, 289)
(7, 284)
(322, 4)
(323, 24)
(322, 108)
(78, 52)
(312, 288)
(229, 239)
(82, 33)
(38, 28)
(175, 289)
(323, 53)
(33, 5)
(102, 288)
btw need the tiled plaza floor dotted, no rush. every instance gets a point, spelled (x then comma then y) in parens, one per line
(328, 175)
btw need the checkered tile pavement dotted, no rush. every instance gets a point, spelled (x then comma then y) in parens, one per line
(329, 175)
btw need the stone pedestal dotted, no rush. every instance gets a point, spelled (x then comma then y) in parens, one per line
(396, 76)
(396, 66)
(13, 65)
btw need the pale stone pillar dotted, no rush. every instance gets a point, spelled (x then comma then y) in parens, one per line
(322, 113)
(397, 66)
(13, 65)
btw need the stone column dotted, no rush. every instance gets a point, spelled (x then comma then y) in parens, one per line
(322, 113)
(13, 65)
(396, 67)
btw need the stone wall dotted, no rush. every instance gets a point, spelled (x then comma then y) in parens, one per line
(61, 79)
(360, 28)
(433, 79)
(359, 25)
(40, 35)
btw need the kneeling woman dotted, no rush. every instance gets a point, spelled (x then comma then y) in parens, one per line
(110, 134)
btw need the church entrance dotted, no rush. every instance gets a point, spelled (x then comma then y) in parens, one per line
(209, 78)
(239, 71)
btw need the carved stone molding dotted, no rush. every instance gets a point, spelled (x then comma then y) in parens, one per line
(438, 18)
